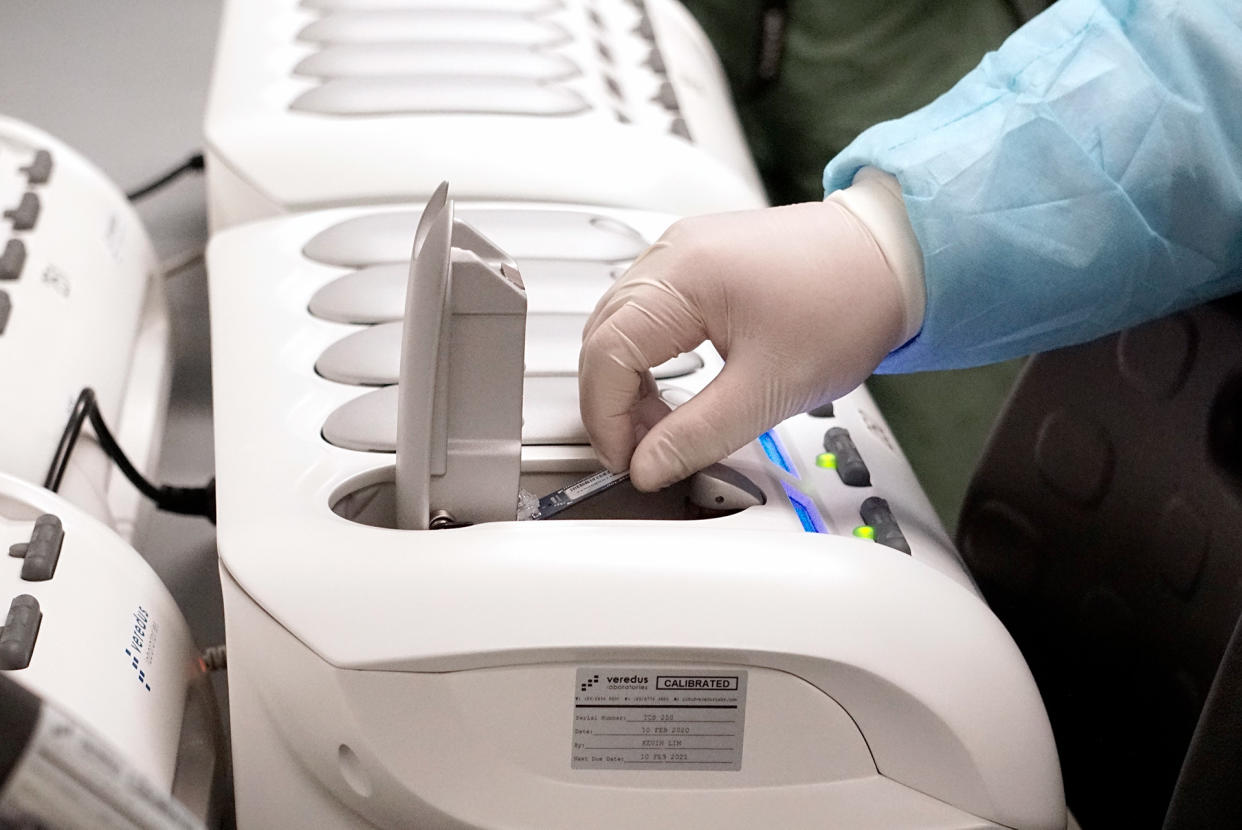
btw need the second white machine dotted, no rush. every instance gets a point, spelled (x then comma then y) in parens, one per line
(81, 305)
(337, 102)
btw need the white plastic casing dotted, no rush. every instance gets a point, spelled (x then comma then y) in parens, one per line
(461, 372)
(85, 308)
(582, 116)
(390, 678)
(112, 648)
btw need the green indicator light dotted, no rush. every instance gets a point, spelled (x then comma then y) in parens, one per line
(827, 460)
(865, 532)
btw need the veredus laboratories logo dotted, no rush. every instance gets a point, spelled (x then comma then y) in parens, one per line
(632, 681)
(140, 639)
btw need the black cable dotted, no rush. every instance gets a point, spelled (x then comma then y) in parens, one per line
(188, 501)
(60, 461)
(193, 163)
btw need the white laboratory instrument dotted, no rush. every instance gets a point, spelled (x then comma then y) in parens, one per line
(90, 628)
(324, 103)
(81, 305)
(739, 650)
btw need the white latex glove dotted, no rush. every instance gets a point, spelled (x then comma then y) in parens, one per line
(802, 301)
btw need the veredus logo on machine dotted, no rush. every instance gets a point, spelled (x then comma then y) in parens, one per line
(616, 682)
(141, 646)
(696, 683)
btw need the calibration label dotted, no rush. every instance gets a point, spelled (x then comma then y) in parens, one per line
(658, 719)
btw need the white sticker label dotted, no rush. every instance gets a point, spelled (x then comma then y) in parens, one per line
(658, 718)
(590, 484)
(68, 777)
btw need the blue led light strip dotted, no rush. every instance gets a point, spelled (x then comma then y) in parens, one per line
(772, 449)
(805, 509)
(804, 516)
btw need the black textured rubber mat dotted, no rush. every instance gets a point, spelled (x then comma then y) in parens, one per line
(1104, 525)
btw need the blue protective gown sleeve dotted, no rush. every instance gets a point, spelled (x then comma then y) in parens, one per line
(1085, 177)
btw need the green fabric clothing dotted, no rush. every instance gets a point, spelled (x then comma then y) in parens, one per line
(843, 67)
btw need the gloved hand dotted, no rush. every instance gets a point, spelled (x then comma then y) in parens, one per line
(802, 301)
